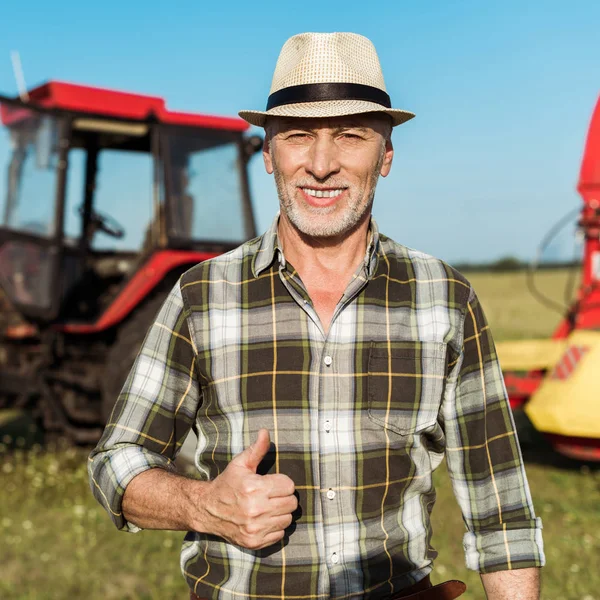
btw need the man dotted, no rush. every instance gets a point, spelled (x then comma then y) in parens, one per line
(327, 370)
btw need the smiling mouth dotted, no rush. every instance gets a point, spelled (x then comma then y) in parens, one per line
(316, 193)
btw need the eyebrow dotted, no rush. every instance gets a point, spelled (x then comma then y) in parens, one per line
(292, 126)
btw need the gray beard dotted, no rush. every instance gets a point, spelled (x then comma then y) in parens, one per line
(341, 224)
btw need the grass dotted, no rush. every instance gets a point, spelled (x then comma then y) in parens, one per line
(57, 542)
(511, 310)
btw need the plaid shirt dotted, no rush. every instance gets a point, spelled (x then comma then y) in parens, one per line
(360, 417)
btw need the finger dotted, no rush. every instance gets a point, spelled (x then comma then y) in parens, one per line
(275, 524)
(280, 485)
(253, 454)
(272, 538)
(283, 506)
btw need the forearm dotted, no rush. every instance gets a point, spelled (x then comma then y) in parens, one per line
(517, 584)
(159, 499)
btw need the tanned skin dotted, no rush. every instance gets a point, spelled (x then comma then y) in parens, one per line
(245, 508)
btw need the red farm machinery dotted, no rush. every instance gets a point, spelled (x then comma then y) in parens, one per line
(557, 381)
(106, 198)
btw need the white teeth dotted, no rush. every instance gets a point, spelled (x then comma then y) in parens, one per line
(322, 193)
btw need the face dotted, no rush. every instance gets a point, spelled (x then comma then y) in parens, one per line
(326, 170)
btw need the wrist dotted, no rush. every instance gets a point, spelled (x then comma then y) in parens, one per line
(196, 494)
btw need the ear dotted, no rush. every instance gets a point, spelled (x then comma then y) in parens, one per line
(266, 151)
(387, 159)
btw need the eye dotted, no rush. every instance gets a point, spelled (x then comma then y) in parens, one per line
(348, 135)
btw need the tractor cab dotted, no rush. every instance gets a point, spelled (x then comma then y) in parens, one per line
(99, 188)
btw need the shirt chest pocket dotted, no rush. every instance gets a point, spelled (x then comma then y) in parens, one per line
(405, 385)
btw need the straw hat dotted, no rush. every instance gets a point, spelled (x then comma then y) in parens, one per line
(327, 75)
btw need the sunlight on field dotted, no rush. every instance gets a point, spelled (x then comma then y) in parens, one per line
(511, 310)
(58, 543)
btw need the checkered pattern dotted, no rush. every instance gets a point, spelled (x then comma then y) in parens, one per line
(360, 418)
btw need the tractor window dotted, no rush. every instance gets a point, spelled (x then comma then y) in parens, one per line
(74, 193)
(124, 195)
(31, 173)
(205, 195)
(29, 148)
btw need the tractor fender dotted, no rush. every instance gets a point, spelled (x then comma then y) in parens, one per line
(137, 289)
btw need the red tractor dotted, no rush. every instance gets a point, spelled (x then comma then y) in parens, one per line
(106, 198)
(557, 381)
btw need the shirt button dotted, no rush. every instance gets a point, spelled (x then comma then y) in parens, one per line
(328, 360)
(335, 559)
(327, 425)
(330, 494)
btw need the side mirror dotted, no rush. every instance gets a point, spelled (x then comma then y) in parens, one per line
(252, 145)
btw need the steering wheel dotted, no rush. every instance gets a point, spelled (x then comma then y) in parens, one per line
(105, 223)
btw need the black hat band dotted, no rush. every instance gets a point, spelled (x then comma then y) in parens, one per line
(322, 92)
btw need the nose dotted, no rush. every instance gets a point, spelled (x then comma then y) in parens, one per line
(323, 159)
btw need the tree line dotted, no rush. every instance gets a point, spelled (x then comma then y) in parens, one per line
(512, 263)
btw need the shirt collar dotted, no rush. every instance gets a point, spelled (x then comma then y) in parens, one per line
(373, 248)
(269, 248)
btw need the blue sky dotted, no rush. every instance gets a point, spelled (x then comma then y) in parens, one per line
(503, 93)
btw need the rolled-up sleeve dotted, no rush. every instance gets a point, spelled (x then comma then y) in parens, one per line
(153, 413)
(484, 459)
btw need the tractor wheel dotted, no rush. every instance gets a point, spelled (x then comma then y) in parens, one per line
(122, 354)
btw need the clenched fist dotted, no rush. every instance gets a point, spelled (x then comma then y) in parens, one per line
(245, 508)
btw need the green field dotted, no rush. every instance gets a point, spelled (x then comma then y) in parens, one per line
(57, 543)
(511, 310)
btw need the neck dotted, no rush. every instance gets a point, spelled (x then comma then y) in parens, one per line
(339, 255)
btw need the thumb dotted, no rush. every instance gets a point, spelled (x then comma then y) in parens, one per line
(254, 453)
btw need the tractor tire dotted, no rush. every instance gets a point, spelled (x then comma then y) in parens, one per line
(122, 353)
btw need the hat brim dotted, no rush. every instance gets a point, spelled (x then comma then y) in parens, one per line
(328, 108)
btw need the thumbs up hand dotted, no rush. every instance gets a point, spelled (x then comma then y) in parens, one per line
(245, 508)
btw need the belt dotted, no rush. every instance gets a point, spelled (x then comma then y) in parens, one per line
(423, 590)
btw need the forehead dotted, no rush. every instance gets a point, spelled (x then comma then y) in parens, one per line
(373, 121)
